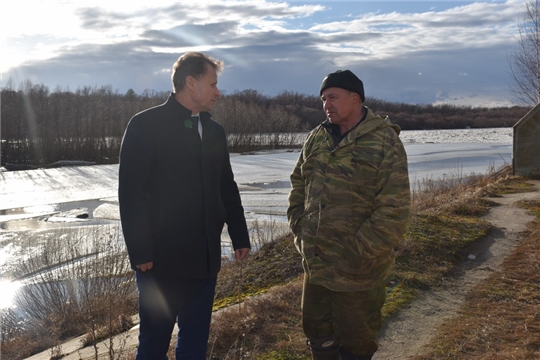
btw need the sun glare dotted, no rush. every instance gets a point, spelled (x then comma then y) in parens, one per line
(8, 290)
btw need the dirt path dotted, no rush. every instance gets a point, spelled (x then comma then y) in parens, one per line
(405, 335)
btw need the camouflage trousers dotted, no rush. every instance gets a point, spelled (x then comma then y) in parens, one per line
(352, 318)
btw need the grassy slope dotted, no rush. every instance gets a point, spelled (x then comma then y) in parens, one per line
(258, 302)
(501, 318)
(268, 327)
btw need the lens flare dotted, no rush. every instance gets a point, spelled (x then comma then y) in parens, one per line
(8, 290)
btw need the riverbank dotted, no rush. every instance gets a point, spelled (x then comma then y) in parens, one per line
(269, 325)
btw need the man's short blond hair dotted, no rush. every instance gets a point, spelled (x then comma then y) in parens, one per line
(193, 64)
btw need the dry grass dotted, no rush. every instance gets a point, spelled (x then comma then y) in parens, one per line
(275, 263)
(458, 195)
(258, 303)
(501, 318)
(79, 281)
(260, 298)
(264, 326)
(444, 223)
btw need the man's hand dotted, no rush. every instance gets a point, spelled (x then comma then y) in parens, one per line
(146, 266)
(241, 254)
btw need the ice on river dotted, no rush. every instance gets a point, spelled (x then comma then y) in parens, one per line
(431, 154)
(44, 199)
(490, 135)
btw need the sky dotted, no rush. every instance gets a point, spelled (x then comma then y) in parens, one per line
(414, 52)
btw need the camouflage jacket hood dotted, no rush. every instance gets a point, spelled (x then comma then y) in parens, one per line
(349, 204)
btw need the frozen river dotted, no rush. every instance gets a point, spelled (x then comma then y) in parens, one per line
(28, 197)
(263, 177)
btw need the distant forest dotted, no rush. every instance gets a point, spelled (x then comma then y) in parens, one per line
(40, 126)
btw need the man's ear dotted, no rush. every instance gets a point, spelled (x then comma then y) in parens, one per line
(190, 82)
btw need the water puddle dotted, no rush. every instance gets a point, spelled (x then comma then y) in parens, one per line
(44, 217)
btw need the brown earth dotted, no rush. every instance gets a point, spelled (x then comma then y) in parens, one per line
(405, 334)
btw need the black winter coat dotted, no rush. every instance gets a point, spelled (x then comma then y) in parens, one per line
(176, 192)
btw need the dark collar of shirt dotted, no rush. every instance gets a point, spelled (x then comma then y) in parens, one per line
(333, 129)
(185, 115)
(183, 112)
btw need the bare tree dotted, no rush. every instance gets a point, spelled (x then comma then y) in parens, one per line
(525, 57)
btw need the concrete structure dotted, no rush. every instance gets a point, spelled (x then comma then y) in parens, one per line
(526, 150)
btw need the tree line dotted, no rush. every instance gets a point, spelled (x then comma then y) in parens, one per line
(40, 126)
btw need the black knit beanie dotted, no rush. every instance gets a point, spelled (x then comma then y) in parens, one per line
(344, 79)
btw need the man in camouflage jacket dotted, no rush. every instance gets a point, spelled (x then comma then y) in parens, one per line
(348, 209)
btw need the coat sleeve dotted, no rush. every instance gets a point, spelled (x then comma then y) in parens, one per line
(296, 196)
(133, 177)
(387, 224)
(230, 195)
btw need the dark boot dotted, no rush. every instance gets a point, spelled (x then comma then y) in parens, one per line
(326, 354)
(324, 349)
(345, 355)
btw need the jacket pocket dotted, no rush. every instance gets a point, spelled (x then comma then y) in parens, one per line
(363, 171)
(351, 262)
(354, 263)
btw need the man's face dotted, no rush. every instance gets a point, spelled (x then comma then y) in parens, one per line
(205, 92)
(339, 105)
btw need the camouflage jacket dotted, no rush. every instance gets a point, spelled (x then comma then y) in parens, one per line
(349, 205)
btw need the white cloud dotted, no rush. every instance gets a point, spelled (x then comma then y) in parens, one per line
(267, 45)
(475, 25)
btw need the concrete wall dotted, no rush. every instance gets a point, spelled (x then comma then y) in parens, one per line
(526, 149)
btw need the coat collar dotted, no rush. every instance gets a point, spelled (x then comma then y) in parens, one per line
(184, 112)
(370, 122)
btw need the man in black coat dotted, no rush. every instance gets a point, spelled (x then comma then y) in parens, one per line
(176, 192)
